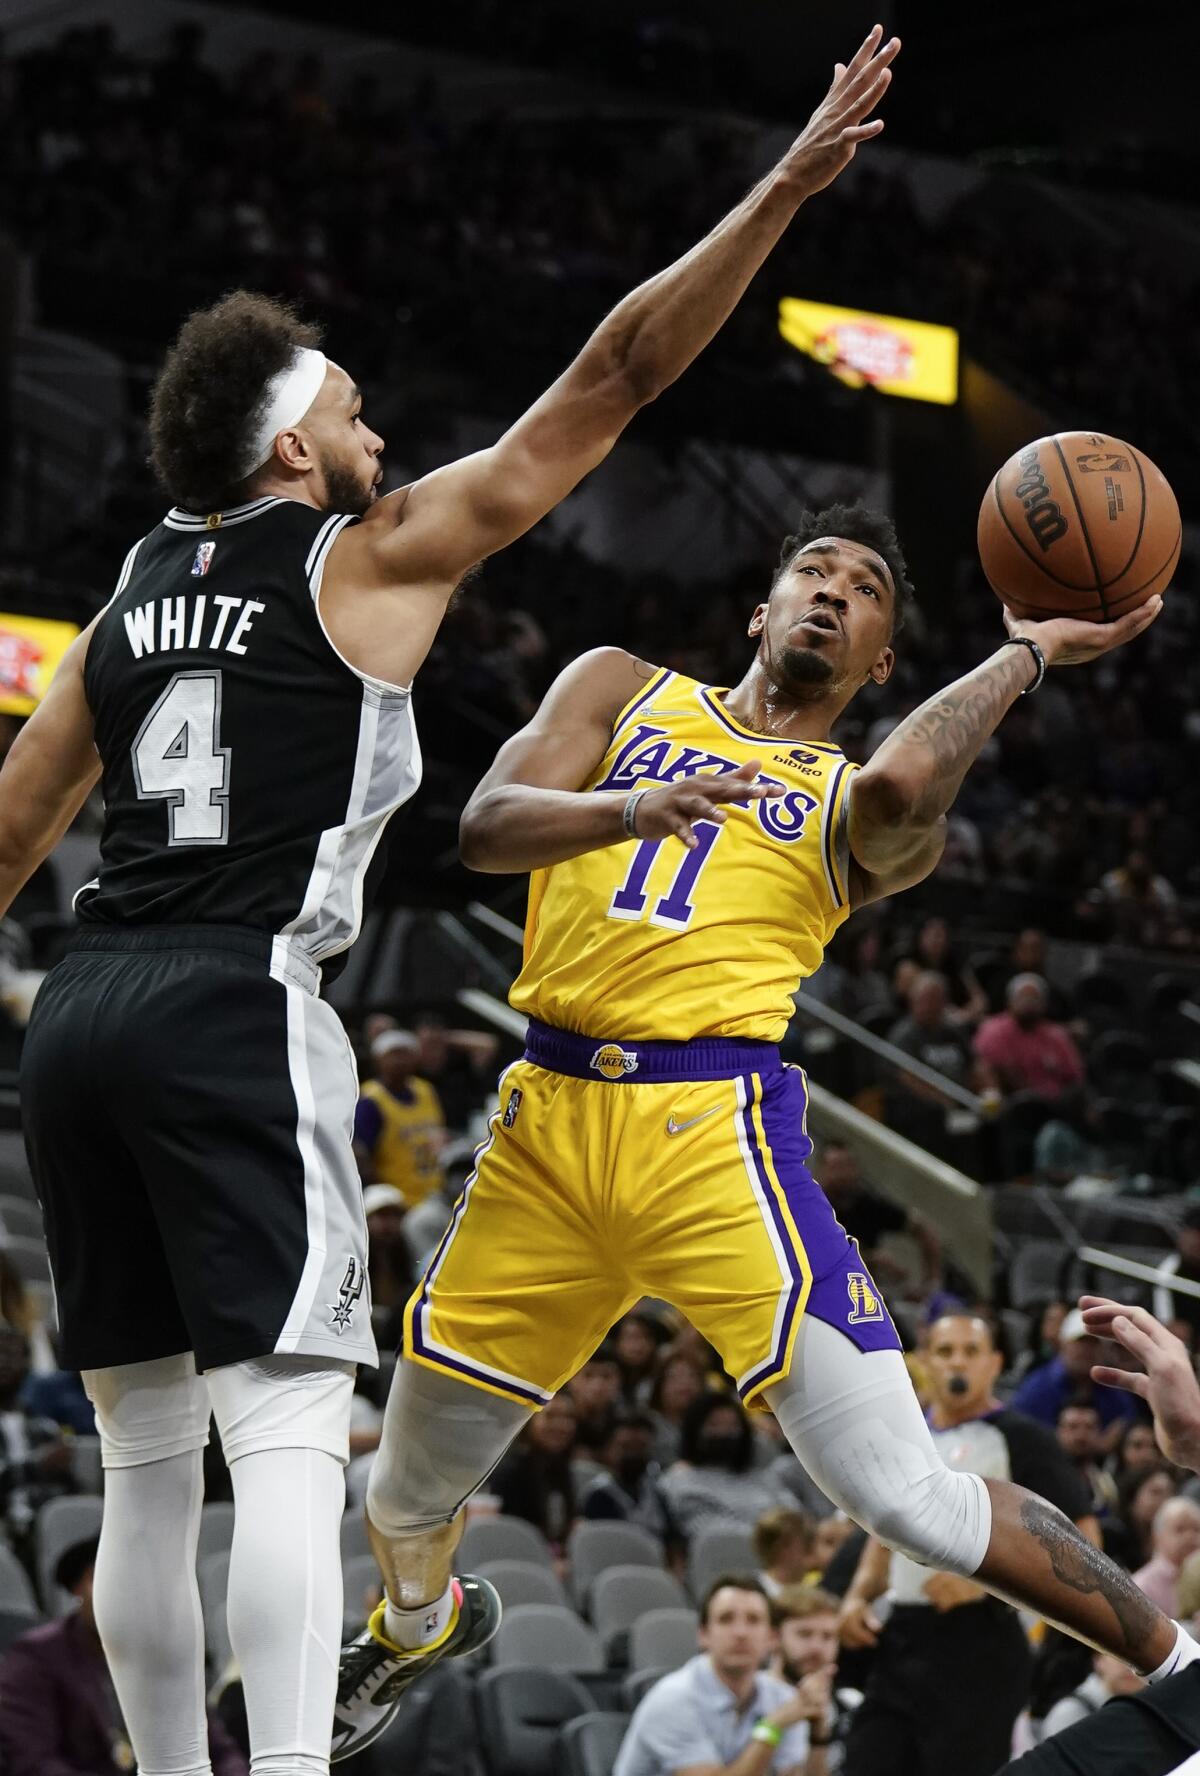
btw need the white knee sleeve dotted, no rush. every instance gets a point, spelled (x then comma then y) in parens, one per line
(283, 1403)
(147, 1412)
(854, 1421)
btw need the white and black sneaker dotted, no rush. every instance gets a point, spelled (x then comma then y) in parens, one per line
(372, 1677)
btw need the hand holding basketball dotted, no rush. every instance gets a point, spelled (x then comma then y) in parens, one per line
(1068, 641)
(826, 145)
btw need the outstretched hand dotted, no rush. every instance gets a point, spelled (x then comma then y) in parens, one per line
(1167, 1382)
(1066, 641)
(840, 122)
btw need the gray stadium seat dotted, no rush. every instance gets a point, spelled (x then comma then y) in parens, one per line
(547, 1634)
(354, 1536)
(501, 1538)
(360, 1575)
(521, 1710)
(216, 1529)
(623, 1593)
(663, 1639)
(1037, 1272)
(212, 1575)
(16, 1589)
(721, 1549)
(638, 1684)
(86, 1464)
(590, 1744)
(592, 1547)
(60, 1524)
(525, 1581)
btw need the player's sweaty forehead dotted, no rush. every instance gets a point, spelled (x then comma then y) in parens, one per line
(844, 546)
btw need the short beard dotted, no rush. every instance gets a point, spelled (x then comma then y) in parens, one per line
(344, 492)
(803, 673)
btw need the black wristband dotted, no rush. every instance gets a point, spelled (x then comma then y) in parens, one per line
(1039, 659)
(629, 815)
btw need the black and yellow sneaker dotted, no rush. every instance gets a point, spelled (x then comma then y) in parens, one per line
(373, 1674)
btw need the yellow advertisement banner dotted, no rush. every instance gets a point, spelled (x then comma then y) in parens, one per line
(912, 358)
(30, 650)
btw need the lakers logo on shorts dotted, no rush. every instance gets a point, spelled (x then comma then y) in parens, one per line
(865, 1304)
(612, 1061)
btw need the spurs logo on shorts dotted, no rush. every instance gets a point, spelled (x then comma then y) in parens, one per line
(349, 1292)
(864, 1302)
(611, 1060)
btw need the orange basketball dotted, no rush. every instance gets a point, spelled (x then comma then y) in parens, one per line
(1078, 525)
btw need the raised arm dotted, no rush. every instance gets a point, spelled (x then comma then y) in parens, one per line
(47, 775)
(531, 811)
(899, 800)
(422, 540)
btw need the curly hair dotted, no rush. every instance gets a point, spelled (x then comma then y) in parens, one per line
(858, 524)
(206, 394)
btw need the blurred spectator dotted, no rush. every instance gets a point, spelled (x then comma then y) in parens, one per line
(806, 1622)
(19, 1310)
(934, 953)
(1138, 906)
(783, 1548)
(1174, 1536)
(1046, 1321)
(534, 1479)
(1140, 1496)
(389, 1262)
(1136, 1451)
(595, 1392)
(830, 1536)
(850, 979)
(59, 1714)
(638, 1341)
(1110, 1677)
(1023, 1050)
(460, 1064)
(679, 1382)
(1187, 1591)
(1068, 1375)
(867, 1217)
(629, 1491)
(35, 1461)
(712, 1483)
(399, 1129)
(918, 1109)
(60, 1397)
(1079, 1438)
(707, 1715)
(1183, 1262)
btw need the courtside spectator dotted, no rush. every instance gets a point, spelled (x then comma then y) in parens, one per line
(596, 1393)
(534, 1479)
(708, 1715)
(1110, 1677)
(389, 1261)
(1046, 1323)
(713, 1482)
(638, 1341)
(1079, 1438)
(1136, 1451)
(59, 1714)
(783, 1548)
(459, 1064)
(399, 1128)
(679, 1381)
(35, 1460)
(1067, 1376)
(830, 1536)
(1140, 1497)
(629, 1490)
(806, 1623)
(1174, 1536)
(1024, 1050)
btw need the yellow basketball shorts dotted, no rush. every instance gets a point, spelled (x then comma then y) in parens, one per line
(614, 1171)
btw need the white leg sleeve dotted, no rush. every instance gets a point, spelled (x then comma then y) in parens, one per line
(285, 1429)
(153, 1423)
(854, 1421)
(441, 1438)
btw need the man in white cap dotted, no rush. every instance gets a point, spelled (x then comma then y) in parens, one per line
(187, 1095)
(1068, 1376)
(399, 1128)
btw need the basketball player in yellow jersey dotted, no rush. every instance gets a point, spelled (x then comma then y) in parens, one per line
(692, 851)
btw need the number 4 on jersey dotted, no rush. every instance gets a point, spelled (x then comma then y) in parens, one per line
(178, 758)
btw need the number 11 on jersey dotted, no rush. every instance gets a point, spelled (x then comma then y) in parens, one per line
(675, 908)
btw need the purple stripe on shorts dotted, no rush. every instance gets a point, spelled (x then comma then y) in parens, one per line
(789, 1313)
(646, 1063)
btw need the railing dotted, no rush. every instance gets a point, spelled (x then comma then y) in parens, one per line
(887, 1051)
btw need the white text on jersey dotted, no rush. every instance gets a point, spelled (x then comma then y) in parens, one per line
(175, 625)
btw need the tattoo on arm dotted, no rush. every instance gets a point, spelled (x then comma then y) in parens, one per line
(1080, 1566)
(943, 738)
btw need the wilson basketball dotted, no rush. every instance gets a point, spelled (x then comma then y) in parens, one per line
(1078, 525)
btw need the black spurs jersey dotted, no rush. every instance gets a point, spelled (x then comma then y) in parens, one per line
(249, 771)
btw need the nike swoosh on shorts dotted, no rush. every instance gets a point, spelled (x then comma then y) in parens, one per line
(677, 1128)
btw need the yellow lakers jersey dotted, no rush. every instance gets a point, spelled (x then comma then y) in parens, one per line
(651, 940)
(410, 1140)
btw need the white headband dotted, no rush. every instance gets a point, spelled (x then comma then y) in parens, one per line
(287, 398)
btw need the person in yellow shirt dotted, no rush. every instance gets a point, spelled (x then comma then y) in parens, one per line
(399, 1129)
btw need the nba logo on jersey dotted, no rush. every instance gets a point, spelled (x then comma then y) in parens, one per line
(612, 1061)
(864, 1302)
(203, 560)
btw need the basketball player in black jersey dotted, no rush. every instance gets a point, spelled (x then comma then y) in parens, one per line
(245, 700)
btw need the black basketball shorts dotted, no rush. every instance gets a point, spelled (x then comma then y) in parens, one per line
(188, 1104)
